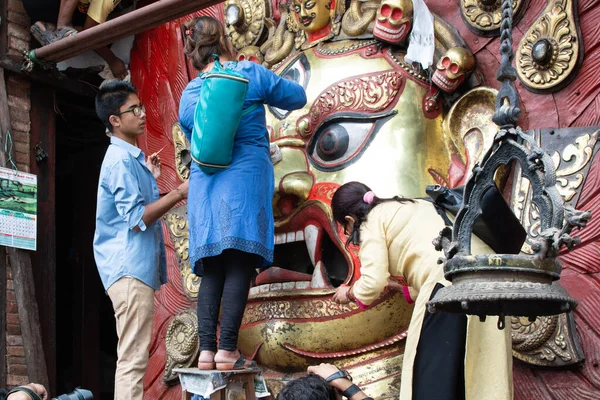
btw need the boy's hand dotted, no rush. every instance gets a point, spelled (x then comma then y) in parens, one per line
(183, 189)
(154, 165)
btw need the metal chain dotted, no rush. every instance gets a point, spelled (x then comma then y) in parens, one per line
(507, 110)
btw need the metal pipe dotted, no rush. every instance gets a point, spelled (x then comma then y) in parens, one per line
(110, 31)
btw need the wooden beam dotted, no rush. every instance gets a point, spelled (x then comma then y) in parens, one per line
(52, 78)
(20, 263)
(128, 24)
(3, 27)
(43, 260)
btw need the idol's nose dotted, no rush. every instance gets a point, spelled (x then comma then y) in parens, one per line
(291, 193)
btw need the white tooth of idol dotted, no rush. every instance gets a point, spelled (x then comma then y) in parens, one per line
(263, 288)
(291, 237)
(319, 281)
(311, 234)
(280, 238)
(299, 236)
(254, 290)
(302, 285)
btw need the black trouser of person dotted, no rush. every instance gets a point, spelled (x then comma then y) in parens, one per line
(225, 284)
(439, 368)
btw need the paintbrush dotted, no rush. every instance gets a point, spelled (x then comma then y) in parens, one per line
(158, 152)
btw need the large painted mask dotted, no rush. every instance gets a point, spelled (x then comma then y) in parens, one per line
(361, 123)
(393, 21)
(366, 120)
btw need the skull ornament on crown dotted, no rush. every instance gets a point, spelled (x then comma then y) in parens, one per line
(453, 68)
(250, 53)
(393, 21)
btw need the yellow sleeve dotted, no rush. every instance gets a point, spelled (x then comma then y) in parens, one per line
(99, 9)
(374, 269)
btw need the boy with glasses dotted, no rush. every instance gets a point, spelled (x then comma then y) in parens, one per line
(128, 242)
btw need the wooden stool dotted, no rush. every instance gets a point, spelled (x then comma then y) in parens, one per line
(244, 376)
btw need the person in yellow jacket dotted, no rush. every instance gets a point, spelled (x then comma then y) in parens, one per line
(447, 356)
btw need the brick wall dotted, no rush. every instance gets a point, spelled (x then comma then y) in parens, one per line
(18, 87)
(20, 121)
(19, 109)
(15, 361)
(18, 28)
(19, 105)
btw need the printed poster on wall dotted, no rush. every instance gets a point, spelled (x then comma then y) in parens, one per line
(18, 209)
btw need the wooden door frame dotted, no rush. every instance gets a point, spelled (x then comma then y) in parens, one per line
(43, 133)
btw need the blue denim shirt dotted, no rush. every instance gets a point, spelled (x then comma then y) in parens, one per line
(125, 187)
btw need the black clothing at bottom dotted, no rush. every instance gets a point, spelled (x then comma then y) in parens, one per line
(440, 354)
(225, 284)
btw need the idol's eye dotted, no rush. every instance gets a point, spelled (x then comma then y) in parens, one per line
(341, 140)
(297, 71)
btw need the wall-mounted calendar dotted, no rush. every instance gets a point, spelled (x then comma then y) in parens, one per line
(18, 209)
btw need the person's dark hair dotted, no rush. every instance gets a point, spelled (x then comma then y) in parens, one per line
(205, 36)
(309, 387)
(110, 99)
(349, 200)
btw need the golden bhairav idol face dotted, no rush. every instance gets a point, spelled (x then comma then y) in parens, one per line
(363, 121)
(312, 15)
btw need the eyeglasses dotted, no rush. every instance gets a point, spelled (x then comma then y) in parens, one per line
(137, 110)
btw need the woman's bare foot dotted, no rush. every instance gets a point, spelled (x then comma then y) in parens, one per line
(206, 360)
(226, 360)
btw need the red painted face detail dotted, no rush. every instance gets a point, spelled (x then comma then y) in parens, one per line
(396, 14)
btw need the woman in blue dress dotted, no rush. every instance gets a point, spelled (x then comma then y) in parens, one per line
(230, 214)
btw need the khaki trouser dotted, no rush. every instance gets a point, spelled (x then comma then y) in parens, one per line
(133, 302)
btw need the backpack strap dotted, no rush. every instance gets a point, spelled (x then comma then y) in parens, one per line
(249, 109)
(440, 210)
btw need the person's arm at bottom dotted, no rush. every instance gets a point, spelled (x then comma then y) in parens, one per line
(153, 211)
(339, 380)
(22, 392)
(116, 65)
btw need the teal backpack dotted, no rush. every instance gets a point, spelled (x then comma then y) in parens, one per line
(217, 116)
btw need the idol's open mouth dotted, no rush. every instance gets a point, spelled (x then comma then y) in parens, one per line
(309, 256)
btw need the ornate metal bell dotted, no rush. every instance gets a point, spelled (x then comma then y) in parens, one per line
(509, 284)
